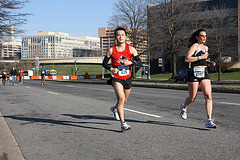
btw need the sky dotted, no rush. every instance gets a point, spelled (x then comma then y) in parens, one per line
(76, 17)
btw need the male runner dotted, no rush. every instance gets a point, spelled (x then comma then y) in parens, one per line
(4, 76)
(121, 56)
(14, 75)
(21, 76)
(43, 72)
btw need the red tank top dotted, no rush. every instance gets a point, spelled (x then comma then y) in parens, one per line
(117, 62)
(21, 73)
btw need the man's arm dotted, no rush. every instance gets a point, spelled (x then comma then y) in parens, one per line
(136, 59)
(106, 59)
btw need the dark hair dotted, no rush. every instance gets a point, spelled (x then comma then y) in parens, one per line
(118, 29)
(193, 38)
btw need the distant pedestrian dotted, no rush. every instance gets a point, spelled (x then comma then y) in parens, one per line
(43, 73)
(21, 76)
(4, 76)
(13, 74)
(197, 56)
(121, 57)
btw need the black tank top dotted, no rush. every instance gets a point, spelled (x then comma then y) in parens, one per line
(201, 62)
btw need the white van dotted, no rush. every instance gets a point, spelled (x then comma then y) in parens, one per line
(28, 73)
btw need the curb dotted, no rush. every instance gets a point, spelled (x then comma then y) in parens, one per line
(9, 149)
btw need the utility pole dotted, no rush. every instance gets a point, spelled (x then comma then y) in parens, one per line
(148, 44)
(238, 30)
(148, 70)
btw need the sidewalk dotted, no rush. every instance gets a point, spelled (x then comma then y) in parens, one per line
(9, 149)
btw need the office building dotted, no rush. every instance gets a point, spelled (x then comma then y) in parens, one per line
(56, 45)
(12, 49)
(231, 49)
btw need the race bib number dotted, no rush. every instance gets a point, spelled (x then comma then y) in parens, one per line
(123, 70)
(43, 72)
(199, 72)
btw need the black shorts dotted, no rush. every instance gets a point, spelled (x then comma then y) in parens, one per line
(192, 78)
(127, 84)
(42, 75)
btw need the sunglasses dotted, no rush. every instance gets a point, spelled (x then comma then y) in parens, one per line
(203, 36)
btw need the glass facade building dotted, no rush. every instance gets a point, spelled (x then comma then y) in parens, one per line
(56, 45)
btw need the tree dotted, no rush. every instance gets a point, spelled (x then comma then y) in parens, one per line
(168, 25)
(223, 28)
(131, 13)
(9, 13)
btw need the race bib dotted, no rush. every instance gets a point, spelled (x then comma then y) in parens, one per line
(123, 70)
(43, 72)
(199, 72)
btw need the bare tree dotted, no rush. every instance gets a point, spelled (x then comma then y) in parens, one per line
(9, 12)
(223, 28)
(168, 25)
(131, 13)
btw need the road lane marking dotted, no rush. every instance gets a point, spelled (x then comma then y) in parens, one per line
(27, 87)
(109, 90)
(152, 115)
(52, 92)
(236, 104)
(70, 86)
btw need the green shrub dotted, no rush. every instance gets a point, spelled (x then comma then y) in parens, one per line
(225, 66)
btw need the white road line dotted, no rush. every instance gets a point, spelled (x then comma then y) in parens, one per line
(52, 92)
(70, 86)
(109, 90)
(27, 87)
(152, 115)
(236, 104)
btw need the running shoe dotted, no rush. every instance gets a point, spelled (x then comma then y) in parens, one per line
(115, 113)
(125, 126)
(183, 113)
(210, 124)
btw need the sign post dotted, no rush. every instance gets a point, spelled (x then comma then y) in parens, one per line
(37, 64)
(75, 66)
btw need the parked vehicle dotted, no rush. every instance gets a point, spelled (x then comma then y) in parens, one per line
(28, 73)
(182, 75)
(51, 73)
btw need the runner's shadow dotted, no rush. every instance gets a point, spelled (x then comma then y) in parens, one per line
(85, 117)
(66, 123)
(167, 124)
(134, 121)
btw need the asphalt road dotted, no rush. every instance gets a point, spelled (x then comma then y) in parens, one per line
(72, 121)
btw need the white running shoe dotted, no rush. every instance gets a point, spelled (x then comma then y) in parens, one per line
(125, 126)
(183, 113)
(115, 113)
(210, 124)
